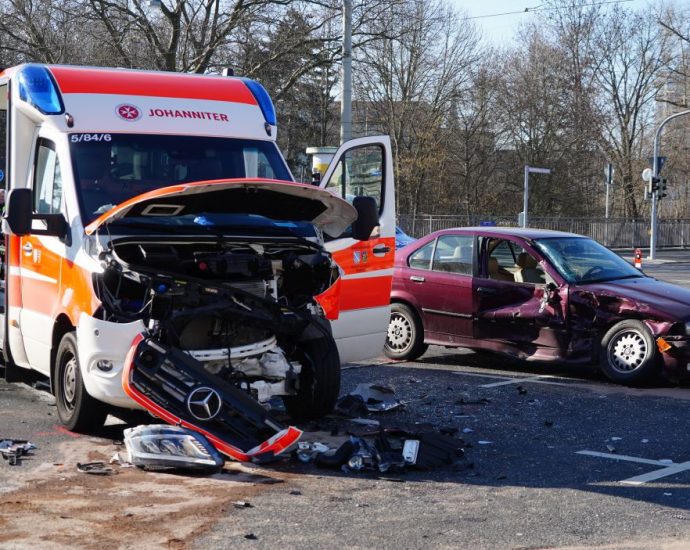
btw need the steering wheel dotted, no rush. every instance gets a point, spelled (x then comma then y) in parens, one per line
(589, 274)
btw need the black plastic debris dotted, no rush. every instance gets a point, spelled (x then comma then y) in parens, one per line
(352, 406)
(378, 398)
(242, 504)
(336, 459)
(12, 450)
(159, 447)
(94, 468)
(393, 450)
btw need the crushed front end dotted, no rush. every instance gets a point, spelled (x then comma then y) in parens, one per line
(231, 323)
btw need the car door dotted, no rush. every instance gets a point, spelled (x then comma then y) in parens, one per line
(40, 260)
(527, 316)
(439, 275)
(364, 167)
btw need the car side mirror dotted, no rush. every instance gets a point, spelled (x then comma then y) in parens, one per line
(367, 217)
(18, 211)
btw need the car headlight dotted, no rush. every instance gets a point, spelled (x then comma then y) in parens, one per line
(687, 328)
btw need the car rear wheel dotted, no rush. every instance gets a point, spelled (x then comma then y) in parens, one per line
(405, 338)
(628, 353)
(77, 410)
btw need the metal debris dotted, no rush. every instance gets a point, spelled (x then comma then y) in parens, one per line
(13, 450)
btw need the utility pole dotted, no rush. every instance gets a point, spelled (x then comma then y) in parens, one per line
(346, 84)
(655, 191)
(609, 182)
(525, 198)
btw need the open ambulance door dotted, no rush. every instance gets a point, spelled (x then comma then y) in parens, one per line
(364, 167)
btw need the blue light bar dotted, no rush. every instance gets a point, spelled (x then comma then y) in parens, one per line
(37, 88)
(263, 99)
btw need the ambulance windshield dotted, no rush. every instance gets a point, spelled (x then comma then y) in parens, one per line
(112, 168)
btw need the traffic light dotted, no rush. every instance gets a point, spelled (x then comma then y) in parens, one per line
(652, 185)
(662, 188)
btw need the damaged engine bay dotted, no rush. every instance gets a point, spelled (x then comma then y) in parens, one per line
(243, 308)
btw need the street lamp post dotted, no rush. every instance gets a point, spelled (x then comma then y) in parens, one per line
(525, 198)
(346, 85)
(655, 191)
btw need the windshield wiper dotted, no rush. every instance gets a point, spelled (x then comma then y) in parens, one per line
(609, 279)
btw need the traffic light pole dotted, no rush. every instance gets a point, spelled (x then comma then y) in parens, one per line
(655, 191)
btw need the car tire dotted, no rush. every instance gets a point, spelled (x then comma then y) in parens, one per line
(319, 380)
(405, 337)
(628, 353)
(77, 410)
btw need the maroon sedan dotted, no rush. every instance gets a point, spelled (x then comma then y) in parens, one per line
(537, 295)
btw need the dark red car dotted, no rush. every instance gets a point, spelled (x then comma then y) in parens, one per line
(537, 295)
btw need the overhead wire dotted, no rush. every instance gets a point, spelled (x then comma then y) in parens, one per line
(541, 8)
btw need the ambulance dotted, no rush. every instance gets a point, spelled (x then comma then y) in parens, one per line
(160, 254)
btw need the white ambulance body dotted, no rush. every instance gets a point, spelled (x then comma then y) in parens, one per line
(112, 155)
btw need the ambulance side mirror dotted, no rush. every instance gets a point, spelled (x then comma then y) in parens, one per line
(22, 221)
(18, 211)
(367, 217)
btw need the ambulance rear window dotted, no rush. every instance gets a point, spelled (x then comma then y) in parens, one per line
(111, 168)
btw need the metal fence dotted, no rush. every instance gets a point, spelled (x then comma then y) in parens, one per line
(614, 233)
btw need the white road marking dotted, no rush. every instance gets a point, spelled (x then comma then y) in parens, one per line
(657, 474)
(623, 457)
(545, 379)
(665, 471)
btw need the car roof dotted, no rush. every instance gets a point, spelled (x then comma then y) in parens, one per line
(527, 233)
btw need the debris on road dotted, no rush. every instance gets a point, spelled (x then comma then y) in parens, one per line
(95, 468)
(161, 447)
(13, 450)
(367, 398)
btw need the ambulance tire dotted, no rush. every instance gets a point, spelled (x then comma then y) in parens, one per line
(319, 379)
(77, 410)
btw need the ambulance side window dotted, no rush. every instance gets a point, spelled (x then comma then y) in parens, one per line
(360, 172)
(47, 179)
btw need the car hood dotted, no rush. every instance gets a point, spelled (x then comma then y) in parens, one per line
(666, 300)
(274, 199)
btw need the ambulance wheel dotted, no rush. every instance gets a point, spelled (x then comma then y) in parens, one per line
(77, 410)
(319, 380)
(405, 338)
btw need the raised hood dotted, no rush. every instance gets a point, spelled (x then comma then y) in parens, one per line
(278, 200)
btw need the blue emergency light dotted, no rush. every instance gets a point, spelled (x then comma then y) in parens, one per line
(263, 99)
(38, 89)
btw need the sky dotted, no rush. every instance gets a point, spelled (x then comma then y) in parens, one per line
(500, 29)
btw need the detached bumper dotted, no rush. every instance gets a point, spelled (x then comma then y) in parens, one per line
(178, 389)
(675, 354)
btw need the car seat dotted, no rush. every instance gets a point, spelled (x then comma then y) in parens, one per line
(527, 271)
(495, 272)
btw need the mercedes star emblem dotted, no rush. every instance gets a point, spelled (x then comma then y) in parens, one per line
(204, 403)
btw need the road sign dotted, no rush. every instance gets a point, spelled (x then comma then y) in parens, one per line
(661, 161)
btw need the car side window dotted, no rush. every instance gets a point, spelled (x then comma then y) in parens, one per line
(47, 192)
(508, 261)
(421, 259)
(360, 173)
(454, 254)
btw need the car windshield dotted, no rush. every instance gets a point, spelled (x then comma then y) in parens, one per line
(111, 168)
(580, 260)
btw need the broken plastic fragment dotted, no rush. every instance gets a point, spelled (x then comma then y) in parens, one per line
(95, 468)
(13, 450)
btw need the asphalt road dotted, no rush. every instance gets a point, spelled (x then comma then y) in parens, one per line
(556, 457)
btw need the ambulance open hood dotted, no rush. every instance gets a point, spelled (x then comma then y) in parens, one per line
(277, 200)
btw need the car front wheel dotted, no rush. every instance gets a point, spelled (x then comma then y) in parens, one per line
(405, 338)
(629, 354)
(77, 410)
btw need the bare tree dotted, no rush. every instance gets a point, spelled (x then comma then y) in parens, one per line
(632, 54)
(411, 83)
